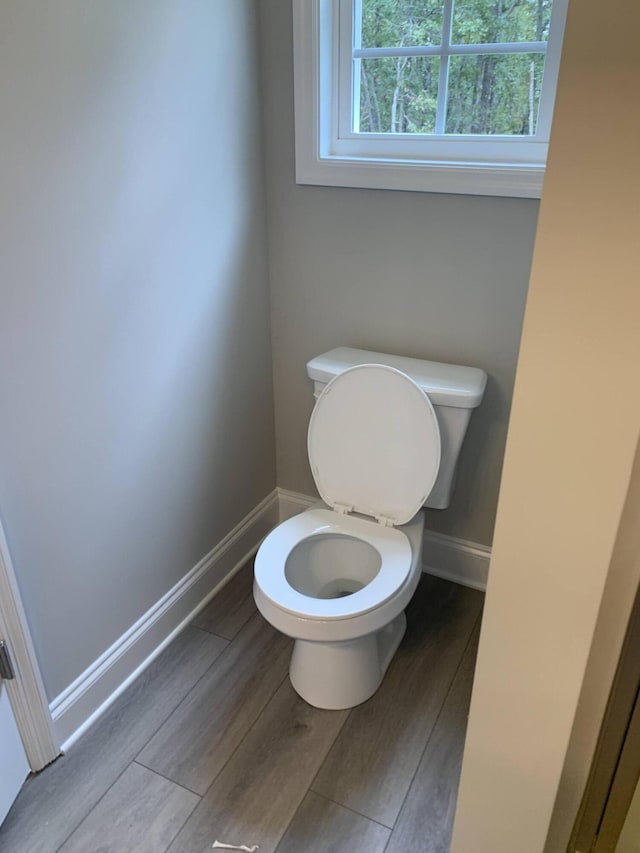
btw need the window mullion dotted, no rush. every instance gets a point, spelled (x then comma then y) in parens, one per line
(461, 49)
(357, 43)
(342, 107)
(443, 81)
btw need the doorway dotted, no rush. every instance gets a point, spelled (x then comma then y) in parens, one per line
(27, 737)
(615, 772)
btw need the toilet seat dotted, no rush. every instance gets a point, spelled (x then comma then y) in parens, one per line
(392, 545)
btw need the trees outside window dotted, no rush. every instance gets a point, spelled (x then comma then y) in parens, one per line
(486, 93)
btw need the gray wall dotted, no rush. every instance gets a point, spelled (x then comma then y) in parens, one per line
(433, 276)
(135, 373)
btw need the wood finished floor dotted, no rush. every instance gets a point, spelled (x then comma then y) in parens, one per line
(211, 742)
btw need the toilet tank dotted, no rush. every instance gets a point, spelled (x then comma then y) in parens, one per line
(454, 391)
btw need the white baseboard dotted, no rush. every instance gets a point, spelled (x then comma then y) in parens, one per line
(83, 701)
(100, 684)
(291, 503)
(457, 560)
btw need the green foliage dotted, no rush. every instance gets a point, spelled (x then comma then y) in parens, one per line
(396, 23)
(399, 95)
(487, 94)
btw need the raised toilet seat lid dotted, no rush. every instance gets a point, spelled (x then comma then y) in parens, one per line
(374, 444)
(392, 545)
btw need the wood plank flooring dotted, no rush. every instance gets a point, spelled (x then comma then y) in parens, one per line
(212, 742)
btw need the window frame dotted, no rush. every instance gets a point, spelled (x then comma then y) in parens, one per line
(329, 154)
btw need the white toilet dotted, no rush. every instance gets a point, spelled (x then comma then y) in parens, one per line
(383, 441)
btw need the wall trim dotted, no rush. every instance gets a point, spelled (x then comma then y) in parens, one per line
(26, 692)
(448, 557)
(89, 696)
(95, 689)
(456, 560)
(291, 503)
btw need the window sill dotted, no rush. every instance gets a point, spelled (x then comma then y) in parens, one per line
(515, 181)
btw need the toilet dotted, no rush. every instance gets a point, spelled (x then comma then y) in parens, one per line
(383, 442)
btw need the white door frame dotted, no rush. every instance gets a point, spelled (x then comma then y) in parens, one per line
(26, 690)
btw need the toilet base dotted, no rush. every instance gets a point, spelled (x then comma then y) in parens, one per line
(340, 675)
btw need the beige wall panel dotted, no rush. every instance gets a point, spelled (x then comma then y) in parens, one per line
(573, 435)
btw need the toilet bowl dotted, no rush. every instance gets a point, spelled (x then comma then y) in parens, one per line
(338, 585)
(338, 576)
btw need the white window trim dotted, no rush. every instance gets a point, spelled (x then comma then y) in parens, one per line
(322, 160)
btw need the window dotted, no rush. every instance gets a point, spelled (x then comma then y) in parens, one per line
(434, 95)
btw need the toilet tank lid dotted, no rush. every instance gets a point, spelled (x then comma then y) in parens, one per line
(446, 384)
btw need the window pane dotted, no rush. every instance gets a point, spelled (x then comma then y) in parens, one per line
(398, 95)
(496, 94)
(398, 23)
(490, 21)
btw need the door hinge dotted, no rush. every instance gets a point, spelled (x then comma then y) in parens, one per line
(6, 667)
